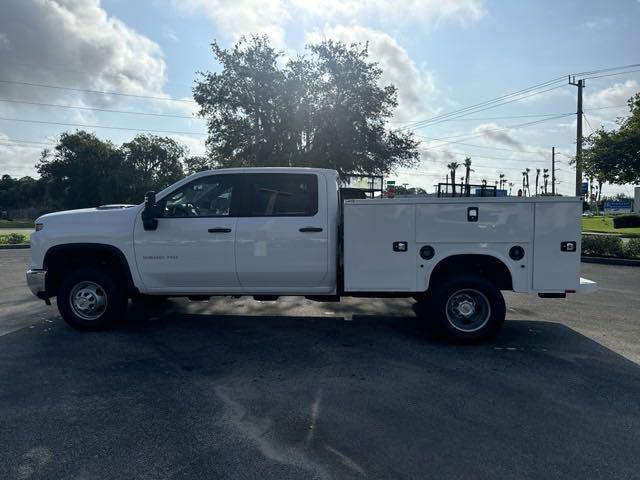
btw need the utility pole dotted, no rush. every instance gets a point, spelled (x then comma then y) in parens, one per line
(553, 170)
(580, 85)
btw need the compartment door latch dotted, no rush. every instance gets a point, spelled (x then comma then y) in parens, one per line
(472, 214)
(400, 246)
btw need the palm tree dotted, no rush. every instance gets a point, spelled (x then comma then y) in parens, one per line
(527, 175)
(453, 166)
(524, 183)
(545, 176)
(467, 172)
(510, 187)
(502, 180)
(537, 178)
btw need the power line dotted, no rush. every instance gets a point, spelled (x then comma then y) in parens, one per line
(612, 74)
(453, 152)
(100, 126)
(540, 152)
(100, 92)
(535, 115)
(39, 145)
(604, 108)
(454, 115)
(608, 69)
(508, 117)
(490, 103)
(494, 100)
(588, 123)
(466, 136)
(66, 69)
(130, 112)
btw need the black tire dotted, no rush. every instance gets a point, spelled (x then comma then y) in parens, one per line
(468, 308)
(91, 286)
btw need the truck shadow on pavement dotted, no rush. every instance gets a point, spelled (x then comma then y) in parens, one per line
(274, 396)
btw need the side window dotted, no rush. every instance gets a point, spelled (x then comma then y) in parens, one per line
(282, 195)
(208, 196)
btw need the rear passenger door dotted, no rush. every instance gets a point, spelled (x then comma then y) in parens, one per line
(282, 237)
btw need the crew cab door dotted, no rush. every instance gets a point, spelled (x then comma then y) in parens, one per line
(282, 235)
(192, 250)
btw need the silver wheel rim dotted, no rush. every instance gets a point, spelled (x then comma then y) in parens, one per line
(468, 310)
(88, 300)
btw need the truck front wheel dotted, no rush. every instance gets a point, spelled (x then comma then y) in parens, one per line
(468, 308)
(91, 299)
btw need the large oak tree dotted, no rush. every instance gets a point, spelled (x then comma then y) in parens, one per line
(325, 108)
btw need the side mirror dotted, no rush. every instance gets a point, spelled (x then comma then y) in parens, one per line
(149, 213)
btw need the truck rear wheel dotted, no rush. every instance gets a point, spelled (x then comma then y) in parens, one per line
(91, 299)
(468, 308)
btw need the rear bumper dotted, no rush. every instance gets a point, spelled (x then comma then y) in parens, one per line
(587, 286)
(36, 282)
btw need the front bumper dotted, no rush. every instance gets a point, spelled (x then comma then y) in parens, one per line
(36, 282)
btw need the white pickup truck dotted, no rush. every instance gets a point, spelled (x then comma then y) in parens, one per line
(266, 232)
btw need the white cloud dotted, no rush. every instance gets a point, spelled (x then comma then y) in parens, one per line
(426, 12)
(235, 18)
(615, 95)
(17, 160)
(415, 86)
(75, 43)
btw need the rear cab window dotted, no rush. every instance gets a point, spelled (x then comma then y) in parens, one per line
(281, 195)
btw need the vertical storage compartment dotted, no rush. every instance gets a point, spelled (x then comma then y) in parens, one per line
(557, 268)
(370, 261)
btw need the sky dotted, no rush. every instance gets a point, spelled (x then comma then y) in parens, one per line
(442, 55)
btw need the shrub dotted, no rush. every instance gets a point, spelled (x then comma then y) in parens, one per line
(602, 245)
(626, 221)
(13, 238)
(632, 248)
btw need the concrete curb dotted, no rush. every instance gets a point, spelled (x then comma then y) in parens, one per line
(612, 261)
(14, 247)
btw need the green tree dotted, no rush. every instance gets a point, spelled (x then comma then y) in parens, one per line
(614, 156)
(453, 166)
(467, 174)
(156, 162)
(83, 171)
(196, 164)
(322, 109)
(20, 192)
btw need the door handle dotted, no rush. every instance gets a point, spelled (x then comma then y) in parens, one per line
(310, 229)
(219, 230)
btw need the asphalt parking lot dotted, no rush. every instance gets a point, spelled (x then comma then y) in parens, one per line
(235, 388)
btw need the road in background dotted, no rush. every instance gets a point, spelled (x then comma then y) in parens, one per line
(235, 388)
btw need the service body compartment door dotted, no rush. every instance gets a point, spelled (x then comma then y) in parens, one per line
(556, 251)
(495, 222)
(374, 238)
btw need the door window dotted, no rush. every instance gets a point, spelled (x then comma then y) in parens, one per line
(209, 196)
(282, 195)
